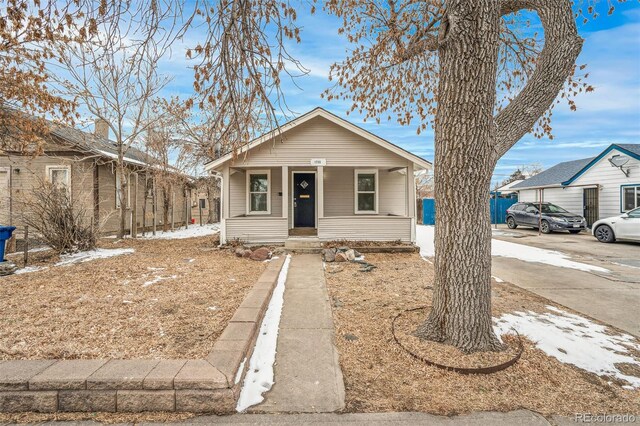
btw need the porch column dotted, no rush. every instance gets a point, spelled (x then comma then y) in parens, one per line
(285, 192)
(320, 195)
(411, 192)
(225, 192)
(224, 204)
(411, 195)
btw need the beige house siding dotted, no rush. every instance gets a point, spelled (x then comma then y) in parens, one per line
(319, 138)
(375, 228)
(339, 192)
(238, 191)
(262, 229)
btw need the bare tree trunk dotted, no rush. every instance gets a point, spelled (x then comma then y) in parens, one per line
(165, 208)
(154, 206)
(123, 200)
(464, 158)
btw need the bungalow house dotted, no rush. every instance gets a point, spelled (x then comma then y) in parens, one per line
(83, 163)
(322, 178)
(596, 187)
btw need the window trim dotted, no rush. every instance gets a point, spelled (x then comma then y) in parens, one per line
(357, 172)
(622, 188)
(50, 168)
(248, 190)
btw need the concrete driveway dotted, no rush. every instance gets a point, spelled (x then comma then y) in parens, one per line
(613, 298)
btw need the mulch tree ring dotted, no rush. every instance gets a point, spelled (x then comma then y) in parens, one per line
(447, 357)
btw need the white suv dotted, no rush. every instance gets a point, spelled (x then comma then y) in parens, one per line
(623, 227)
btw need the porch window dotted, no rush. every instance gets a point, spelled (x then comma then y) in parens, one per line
(630, 197)
(259, 192)
(59, 177)
(366, 186)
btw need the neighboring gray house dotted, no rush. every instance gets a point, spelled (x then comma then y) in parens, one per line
(323, 178)
(597, 187)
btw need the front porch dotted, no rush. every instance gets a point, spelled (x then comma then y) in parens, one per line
(272, 204)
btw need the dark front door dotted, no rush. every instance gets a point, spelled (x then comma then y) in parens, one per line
(591, 207)
(304, 200)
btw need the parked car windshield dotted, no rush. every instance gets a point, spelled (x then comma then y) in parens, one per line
(552, 208)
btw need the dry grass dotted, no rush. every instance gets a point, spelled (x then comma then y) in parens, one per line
(379, 376)
(102, 308)
(107, 418)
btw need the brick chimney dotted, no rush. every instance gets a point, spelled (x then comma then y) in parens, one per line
(101, 128)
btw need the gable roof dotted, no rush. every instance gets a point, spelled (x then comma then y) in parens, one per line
(564, 174)
(555, 175)
(321, 112)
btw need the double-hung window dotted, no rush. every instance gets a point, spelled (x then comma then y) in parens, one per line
(259, 192)
(366, 191)
(630, 197)
(59, 177)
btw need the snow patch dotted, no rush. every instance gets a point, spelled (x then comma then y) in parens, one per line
(496, 279)
(538, 255)
(259, 378)
(240, 370)
(425, 238)
(575, 340)
(87, 256)
(157, 279)
(192, 231)
(29, 269)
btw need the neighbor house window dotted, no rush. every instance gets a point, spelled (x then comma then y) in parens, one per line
(366, 186)
(259, 192)
(630, 197)
(119, 191)
(59, 177)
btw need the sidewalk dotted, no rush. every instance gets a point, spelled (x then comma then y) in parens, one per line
(491, 418)
(308, 378)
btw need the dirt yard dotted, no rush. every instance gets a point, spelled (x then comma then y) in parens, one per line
(379, 376)
(167, 299)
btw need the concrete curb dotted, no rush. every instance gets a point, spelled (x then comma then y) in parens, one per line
(210, 385)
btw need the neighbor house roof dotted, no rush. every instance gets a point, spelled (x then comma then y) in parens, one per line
(555, 175)
(509, 186)
(565, 173)
(86, 142)
(321, 112)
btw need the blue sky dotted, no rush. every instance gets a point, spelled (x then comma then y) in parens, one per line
(608, 115)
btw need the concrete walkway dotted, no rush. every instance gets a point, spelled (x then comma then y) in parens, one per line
(308, 378)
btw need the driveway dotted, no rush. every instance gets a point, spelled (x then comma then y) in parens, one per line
(612, 297)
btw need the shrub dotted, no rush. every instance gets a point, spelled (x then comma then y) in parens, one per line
(61, 222)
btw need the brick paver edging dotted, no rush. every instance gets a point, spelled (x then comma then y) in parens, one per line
(110, 385)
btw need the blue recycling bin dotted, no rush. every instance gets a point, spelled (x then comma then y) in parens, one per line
(5, 234)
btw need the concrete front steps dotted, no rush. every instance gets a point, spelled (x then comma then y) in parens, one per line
(303, 244)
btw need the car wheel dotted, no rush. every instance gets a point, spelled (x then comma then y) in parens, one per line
(604, 234)
(575, 231)
(511, 223)
(545, 228)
